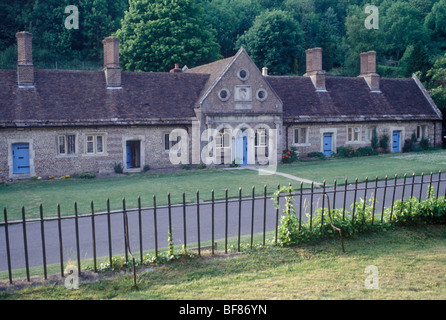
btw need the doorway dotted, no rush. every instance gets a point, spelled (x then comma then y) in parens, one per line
(20, 158)
(133, 154)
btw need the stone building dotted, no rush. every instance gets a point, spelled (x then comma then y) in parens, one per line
(57, 122)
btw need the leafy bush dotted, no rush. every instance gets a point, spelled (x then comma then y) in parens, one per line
(384, 142)
(185, 166)
(317, 155)
(118, 168)
(87, 175)
(146, 168)
(345, 152)
(292, 231)
(365, 151)
(425, 144)
(374, 141)
(201, 166)
(289, 156)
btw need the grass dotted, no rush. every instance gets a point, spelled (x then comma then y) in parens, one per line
(372, 166)
(410, 262)
(31, 194)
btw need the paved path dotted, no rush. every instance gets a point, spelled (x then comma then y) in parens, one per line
(286, 175)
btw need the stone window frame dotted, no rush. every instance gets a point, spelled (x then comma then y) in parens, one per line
(228, 94)
(76, 147)
(95, 136)
(240, 76)
(359, 132)
(422, 132)
(258, 92)
(300, 144)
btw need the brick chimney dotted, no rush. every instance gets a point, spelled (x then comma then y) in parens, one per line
(25, 66)
(368, 70)
(314, 68)
(176, 69)
(112, 69)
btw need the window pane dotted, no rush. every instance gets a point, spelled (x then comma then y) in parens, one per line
(71, 144)
(303, 135)
(226, 138)
(296, 135)
(350, 134)
(99, 147)
(166, 141)
(62, 144)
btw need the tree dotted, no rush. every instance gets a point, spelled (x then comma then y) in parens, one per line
(415, 59)
(274, 41)
(156, 34)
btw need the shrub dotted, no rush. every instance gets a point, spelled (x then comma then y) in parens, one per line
(365, 151)
(146, 168)
(289, 156)
(384, 142)
(374, 141)
(317, 155)
(201, 166)
(425, 144)
(87, 175)
(234, 164)
(408, 145)
(118, 168)
(345, 152)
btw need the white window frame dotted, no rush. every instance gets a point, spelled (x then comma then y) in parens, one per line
(421, 132)
(94, 142)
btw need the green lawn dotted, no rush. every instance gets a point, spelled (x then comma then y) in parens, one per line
(410, 264)
(381, 165)
(50, 192)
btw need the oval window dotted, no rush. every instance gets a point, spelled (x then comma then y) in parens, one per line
(261, 94)
(243, 74)
(224, 94)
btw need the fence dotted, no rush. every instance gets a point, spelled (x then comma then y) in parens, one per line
(56, 240)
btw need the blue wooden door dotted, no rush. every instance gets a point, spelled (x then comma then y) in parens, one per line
(245, 150)
(396, 141)
(20, 158)
(129, 154)
(327, 144)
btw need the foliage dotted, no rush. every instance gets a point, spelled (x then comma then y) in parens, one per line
(374, 141)
(201, 166)
(273, 41)
(317, 155)
(384, 142)
(87, 175)
(118, 168)
(289, 156)
(345, 152)
(292, 231)
(156, 34)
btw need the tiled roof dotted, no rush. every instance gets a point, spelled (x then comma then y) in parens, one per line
(63, 97)
(350, 99)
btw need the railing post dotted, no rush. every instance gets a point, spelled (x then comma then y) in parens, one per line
(264, 213)
(110, 250)
(140, 230)
(384, 200)
(345, 198)
(76, 224)
(252, 215)
(239, 216)
(124, 213)
(198, 222)
(226, 220)
(184, 221)
(25, 244)
(213, 222)
(42, 233)
(8, 253)
(93, 236)
(277, 213)
(155, 226)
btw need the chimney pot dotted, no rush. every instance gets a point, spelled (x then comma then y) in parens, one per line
(25, 67)
(112, 69)
(264, 71)
(176, 69)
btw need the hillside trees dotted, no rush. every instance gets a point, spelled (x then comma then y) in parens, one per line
(156, 34)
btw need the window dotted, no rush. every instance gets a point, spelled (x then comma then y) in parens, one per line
(66, 144)
(169, 144)
(243, 74)
(94, 144)
(300, 135)
(224, 94)
(261, 94)
(223, 139)
(421, 132)
(260, 139)
(353, 134)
